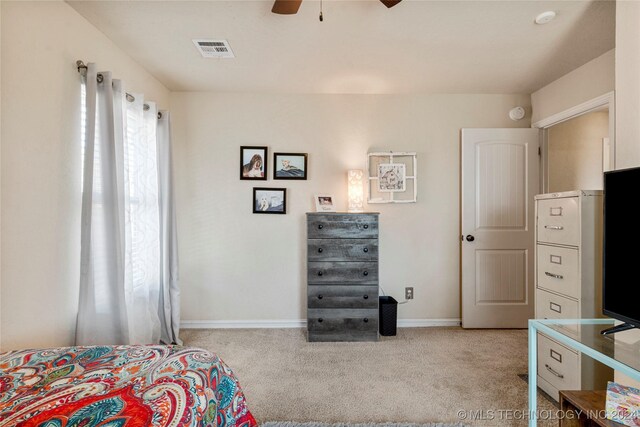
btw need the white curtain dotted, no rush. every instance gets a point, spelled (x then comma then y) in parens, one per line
(169, 306)
(123, 296)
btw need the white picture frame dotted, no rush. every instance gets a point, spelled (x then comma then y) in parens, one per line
(405, 190)
(325, 202)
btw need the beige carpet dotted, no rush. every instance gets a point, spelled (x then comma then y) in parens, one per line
(423, 375)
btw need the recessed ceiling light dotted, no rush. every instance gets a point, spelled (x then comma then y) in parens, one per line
(545, 17)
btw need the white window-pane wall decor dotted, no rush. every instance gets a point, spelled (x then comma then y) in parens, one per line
(392, 177)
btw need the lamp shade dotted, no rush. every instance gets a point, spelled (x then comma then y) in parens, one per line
(356, 190)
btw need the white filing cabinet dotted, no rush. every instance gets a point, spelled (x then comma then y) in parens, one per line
(568, 284)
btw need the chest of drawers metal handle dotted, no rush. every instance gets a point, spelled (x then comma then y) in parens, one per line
(365, 250)
(320, 320)
(320, 250)
(320, 297)
(555, 276)
(366, 226)
(366, 297)
(365, 273)
(320, 273)
(365, 320)
(550, 369)
(320, 226)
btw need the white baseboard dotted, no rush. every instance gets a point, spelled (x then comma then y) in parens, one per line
(242, 324)
(427, 323)
(281, 324)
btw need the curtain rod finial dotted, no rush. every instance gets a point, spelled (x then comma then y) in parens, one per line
(80, 65)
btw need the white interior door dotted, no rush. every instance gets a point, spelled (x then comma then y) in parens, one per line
(500, 170)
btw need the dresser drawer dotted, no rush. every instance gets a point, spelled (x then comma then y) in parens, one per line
(558, 365)
(340, 226)
(559, 221)
(342, 324)
(558, 270)
(342, 296)
(342, 272)
(342, 250)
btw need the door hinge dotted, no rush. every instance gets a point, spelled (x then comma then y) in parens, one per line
(540, 151)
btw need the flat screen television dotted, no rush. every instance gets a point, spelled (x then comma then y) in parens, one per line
(621, 252)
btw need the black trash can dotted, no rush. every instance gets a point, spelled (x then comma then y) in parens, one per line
(388, 316)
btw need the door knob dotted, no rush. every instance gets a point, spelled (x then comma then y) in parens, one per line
(470, 238)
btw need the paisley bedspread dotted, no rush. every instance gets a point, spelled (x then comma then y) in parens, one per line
(119, 386)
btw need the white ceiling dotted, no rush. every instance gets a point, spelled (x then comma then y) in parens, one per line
(361, 47)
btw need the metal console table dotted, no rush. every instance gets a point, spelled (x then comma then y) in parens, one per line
(617, 351)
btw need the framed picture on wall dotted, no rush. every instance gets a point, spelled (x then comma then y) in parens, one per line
(269, 200)
(253, 163)
(391, 177)
(289, 165)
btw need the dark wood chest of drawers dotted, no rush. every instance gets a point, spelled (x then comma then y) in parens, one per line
(342, 277)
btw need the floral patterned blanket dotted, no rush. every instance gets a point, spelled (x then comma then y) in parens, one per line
(119, 386)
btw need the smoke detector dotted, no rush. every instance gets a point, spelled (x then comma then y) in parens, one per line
(213, 48)
(545, 17)
(517, 113)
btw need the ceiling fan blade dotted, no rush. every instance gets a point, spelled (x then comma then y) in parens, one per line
(390, 3)
(286, 7)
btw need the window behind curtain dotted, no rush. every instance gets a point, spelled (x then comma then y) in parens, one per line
(141, 217)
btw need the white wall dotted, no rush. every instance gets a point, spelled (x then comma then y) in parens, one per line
(236, 265)
(575, 152)
(627, 84)
(593, 79)
(40, 164)
(628, 103)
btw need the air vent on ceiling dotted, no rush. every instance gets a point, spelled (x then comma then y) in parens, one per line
(214, 48)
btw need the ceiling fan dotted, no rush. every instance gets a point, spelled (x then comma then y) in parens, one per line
(290, 7)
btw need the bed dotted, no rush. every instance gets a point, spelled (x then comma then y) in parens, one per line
(119, 386)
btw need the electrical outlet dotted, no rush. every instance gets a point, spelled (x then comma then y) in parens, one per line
(408, 293)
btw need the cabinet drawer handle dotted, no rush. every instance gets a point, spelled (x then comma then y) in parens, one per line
(320, 273)
(366, 297)
(320, 226)
(555, 307)
(320, 250)
(365, 273)
(365, 320)
(553, 372)
(320, 320)
(320, 297)
(366, 226)
(555, 276)
(365, 250)
(554, 227)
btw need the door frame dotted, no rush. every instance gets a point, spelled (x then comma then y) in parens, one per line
(606, 101)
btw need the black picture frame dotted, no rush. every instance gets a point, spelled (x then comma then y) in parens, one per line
(247, 162)
(262, 200)
(294, 171)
